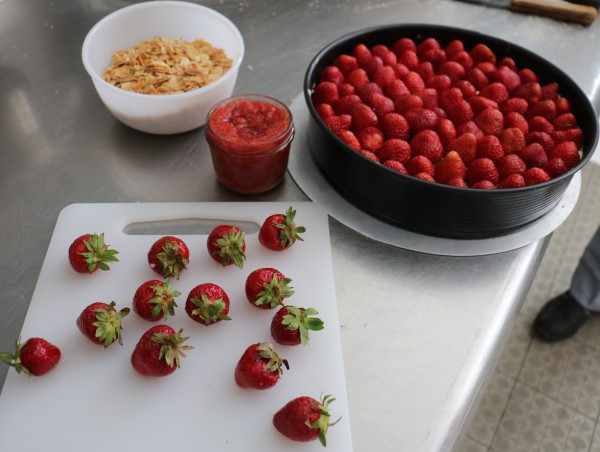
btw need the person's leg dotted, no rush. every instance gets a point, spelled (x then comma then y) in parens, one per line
(565, 314)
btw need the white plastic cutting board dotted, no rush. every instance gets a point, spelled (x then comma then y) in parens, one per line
(94, 397)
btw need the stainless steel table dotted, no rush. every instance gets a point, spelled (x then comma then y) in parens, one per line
(420, 332)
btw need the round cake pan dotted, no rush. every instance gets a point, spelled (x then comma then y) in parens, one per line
(431, 208)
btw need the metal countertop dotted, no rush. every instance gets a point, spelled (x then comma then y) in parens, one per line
(421, 333)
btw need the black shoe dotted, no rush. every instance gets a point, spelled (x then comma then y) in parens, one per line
(560, 318)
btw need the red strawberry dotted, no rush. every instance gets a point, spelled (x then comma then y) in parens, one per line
(154, 300)
(540, 124)
(510, 164)
(445, 130)
(409, 59)
(384, 76)
(568, 152)
(565, 121)
(346, 64)
(364, 92)
(427, 143)
(408, 102)
(425, 176)
(482, 169)
(464, 59)
(324, 111)
(469, 127)
(543, 108)
(403, 44)
(227, 245)
(413, 81)
(466, 88)
(371, 138)
(512, 140)
(35, 357)
(368, 154)
(396, 166)
(429, 96)
(363, 116)
(508, 62)
(505, 75)
(459, 112)
(562, 105)
(428, 44)
(396, 89)
(168, 256)
(361, 52)
(279, 232)
(482, 53)
(325, 93)
(357, 77)
(345, 105)
(338, 123)
(453, 70)
(534, 155)
(555, 167)
(345, 89)
(450, 167)
(453, 47)
(401, 70)
(420, 119)
(267, 287)
(490, 147)
(484, 185)
(450, 96)
(259, 367)
(528, 76)
(465, 146)
(371, 65)
(490, 121)
(486, 67)
(530, 91)
(349, 138)
(457, 182)
(332, 74)
(394, 125)
(158, 351)
(477, 78)
(101, 323)
(394, 149)
(514, 104)
(304, 419)
(420, 164)
(550, 91)
(385, 54)
(479, 103)
(495, 91)
(513, 180)
(535, 176)
(207, 304)
(89, 253)
(543, 138)
(434, 56)
(290, 325)
(514, 119)
(381, 104)
(425, 71)
(574, 135)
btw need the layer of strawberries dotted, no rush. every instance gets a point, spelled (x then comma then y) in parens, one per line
(449, 114)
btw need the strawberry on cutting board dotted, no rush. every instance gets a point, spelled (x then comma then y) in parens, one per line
(267, 287)
(260, 367)
(290, 325)
(101, 323)
(227, 245)
(89, 253)
(279, 232)
(169, 256)
(155, 300)
(207, 303)
(35, 357)
(158, 351)
(305, 419)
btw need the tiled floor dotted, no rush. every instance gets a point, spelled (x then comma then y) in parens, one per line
(546, 397)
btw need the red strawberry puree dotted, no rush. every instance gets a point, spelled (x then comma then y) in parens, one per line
(249, 138)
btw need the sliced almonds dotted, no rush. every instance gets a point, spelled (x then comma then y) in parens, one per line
(164, 66)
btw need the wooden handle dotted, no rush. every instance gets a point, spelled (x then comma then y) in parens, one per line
(570, 12)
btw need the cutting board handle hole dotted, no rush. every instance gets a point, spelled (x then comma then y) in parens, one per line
(185, 226)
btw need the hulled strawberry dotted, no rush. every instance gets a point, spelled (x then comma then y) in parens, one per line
(155, 300)
(159, 350)
(227, 245)
(207, 303)
(89, 253)
(290, 325)
(279, 232)
(305, 419)
(168, 256)
(267, 288)
(260, 367)
(36, 357)
(101, 323)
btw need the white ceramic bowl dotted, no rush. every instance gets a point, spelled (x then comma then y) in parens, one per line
(122, 29)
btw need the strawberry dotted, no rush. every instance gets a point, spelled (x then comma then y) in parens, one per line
(290, 325)
(396, 166)
(408, 102)
(445, 130)
(490, 121)
(513, 180)
(510, 164)
(453, 70)
(514, 105)
(279, 232)
(371, 138)
(361, 52)
(495, 91)
(565, 121)
(430, 97)
(89, 253)
(349, 138)
(477, 78)
(368, 154)
(425, 176)
(267, 287)
(338, 123)
(332, 74)
(464, 59)
(371, 65)
(159, 351)
(101, 323)
(450, 167)
(344, 105)
(357, 77)
(154, 300)
(400, 70)
(396, 89)
(562, 106)
(574, 135)
(550, 91)
(436, 57)
(420, 164)
(363, 116)
(394, 149)
(530, 91)
(490, 147)
(568, 152)
(453, 47)
(482, 169)
(413, 81)
(505, 75)
(459, 112)
(380, 104)
(540, 124)
(305, 419)
(512, 140)
(450, 96)
(207, 304)
(259, 367)
(324, 111)
(466, 88)
(486, 67)
(325, 93)
(508, 62)
(428, 44)
(528, 76)
(364, 92)
(465, 146)
(346, 64)
(479, 103)
(420, 119)
(535, 176)
(542, 138)
(227, 245)
(345, 89)
(457, 182)
(482, 53)
(427, 143)
(484, 185)
(169, 256)
(409, 59)
(555, 167)
(469, 127)
(543, 108)
(534, 155)
(384, 76)
(514, 119)
(403, 44)
(35, 357)
(425, 71)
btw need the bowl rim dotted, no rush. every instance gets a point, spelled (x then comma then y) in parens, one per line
(97, 79)
(307, 90)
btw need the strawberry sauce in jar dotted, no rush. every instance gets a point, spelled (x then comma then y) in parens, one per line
(249, 138)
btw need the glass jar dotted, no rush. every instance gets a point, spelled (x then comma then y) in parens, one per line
(249, 138)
